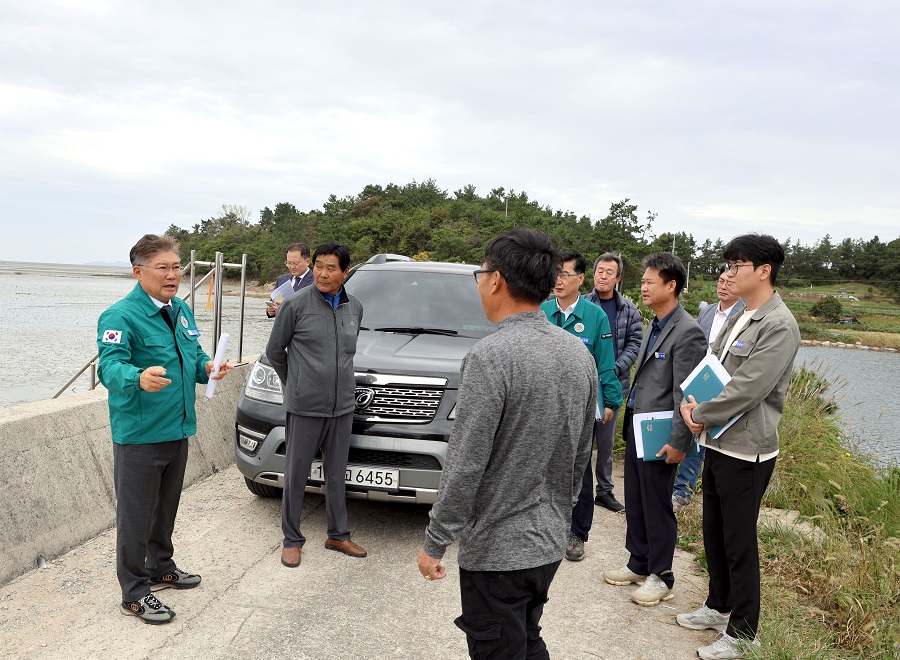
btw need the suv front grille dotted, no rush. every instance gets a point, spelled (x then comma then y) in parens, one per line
(391, 403)
(376, 457)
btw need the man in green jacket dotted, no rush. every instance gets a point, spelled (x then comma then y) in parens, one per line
(590, 324)
(151, 362)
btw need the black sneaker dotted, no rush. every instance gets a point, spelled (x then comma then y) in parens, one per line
(177, 579)
(609, 501)
(574, 548)
(148, 609)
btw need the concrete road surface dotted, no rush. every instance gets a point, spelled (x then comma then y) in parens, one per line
(332, 606)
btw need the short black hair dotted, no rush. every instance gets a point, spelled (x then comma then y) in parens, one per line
(302, 248)
(611, 256)
(670, 268)
(338, 250)
(526, 259)
(577, 257)
(759, 249)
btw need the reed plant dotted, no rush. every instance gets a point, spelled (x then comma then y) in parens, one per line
(834, 593)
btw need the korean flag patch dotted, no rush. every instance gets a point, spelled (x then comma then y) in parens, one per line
(112, 336)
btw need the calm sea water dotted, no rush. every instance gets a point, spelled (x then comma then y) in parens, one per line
(49, 328)
(48, 332)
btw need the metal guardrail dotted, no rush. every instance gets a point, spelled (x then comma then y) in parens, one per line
(216, 267)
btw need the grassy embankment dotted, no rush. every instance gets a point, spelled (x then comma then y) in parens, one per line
(877, 314)
(835, 594)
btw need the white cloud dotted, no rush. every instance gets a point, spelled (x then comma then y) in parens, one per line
(134, 116)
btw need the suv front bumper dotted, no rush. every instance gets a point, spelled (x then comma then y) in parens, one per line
(418, 462)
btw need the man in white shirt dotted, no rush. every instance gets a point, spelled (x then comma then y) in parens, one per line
(297, 261)
(757, 348)
(711, 319)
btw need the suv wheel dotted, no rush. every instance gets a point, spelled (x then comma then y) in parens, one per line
(263, 490)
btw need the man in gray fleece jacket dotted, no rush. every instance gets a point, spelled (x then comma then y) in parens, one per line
(311, 348)
(516, 456)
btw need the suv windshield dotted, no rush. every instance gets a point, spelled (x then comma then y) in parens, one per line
(420, 302)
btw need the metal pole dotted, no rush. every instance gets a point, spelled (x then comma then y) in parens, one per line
(217, 301)
(93, 375)
(193, 277)
(243, 296)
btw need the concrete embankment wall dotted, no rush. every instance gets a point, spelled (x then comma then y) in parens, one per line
(56, 469)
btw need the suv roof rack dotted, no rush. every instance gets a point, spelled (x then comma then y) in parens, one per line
(383, 258)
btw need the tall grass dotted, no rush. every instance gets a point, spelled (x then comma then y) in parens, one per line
(837, 594)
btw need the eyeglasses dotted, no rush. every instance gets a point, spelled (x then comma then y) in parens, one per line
(164, 270)
(734, 268)
(564, 275)
(292, 263)
(477, 273)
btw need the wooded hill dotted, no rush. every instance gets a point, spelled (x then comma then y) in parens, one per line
(425, 222)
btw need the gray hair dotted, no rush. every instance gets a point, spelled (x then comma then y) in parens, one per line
(609, 256)
(150, 245)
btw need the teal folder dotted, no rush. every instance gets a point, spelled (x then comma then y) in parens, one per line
(651, 433)
(705, 383)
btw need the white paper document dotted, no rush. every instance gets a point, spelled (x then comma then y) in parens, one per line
(283, 292)
(217, 361)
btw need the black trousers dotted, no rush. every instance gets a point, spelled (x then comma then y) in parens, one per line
(583, 511)
(148, 480)
(732, 492)
(652, 528)
(305, 436)
(501, 612)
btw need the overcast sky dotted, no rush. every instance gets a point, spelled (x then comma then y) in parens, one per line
(120, 118)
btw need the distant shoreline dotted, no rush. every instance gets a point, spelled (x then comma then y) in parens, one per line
(841, 344)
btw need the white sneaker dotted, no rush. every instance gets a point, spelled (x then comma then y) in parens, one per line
(653, 591)
(726, 648)
(702, 618)
(623, 576)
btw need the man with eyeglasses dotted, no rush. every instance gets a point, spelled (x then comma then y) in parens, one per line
(757, 348)
(297, 261)
(625, 324)
(711, 319)
(150, 363)
(516, 456)
(588, 322)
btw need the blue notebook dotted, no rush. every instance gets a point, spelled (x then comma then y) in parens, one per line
(651, 433)
(705, 383)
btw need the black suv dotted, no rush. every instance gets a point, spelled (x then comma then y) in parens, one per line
(419, 321)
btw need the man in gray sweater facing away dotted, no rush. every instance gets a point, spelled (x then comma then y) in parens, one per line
(516, 456)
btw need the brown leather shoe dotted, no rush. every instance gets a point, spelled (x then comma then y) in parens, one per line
(348, 547)
(290, 557)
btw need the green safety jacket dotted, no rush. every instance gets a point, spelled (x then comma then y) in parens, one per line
(132, 335)
(590, 324)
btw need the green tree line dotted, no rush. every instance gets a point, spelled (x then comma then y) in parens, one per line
(421, 220)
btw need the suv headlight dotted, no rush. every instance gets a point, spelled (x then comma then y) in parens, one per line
(263, 384)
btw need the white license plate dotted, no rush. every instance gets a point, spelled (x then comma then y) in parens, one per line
(361, 476)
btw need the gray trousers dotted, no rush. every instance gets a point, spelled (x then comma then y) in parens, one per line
(605, 435)
(148, 480)
(304, 436)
